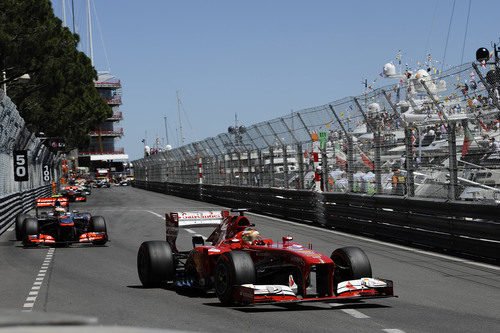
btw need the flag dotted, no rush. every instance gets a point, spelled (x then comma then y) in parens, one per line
(468, 137)
(340, 155)
(482, 124)
(366, 159)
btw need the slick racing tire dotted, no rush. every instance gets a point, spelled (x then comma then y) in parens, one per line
(232, 269)
(30, 227)
(351, 263)
(19, 226)
(98, 224)
(155, 263)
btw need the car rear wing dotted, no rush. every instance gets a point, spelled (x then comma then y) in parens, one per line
(191, 219)
(49, 202)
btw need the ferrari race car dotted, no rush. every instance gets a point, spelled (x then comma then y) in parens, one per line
(53, 224)
(74, 193)
(245, 269)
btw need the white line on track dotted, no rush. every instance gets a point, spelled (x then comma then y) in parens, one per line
(443, 256)
(155, 214)
(393, 330)
(355, 313)
(33, 293)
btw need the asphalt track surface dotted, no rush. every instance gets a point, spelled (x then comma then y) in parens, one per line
(436, 293)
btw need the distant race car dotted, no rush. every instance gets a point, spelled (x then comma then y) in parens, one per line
(74, 193)
(53, 224)
(245, 269)
(102, 183)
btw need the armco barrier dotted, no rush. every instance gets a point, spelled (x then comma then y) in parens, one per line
(16, 203)
(460, 227)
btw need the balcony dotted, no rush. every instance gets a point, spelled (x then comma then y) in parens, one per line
(117, 116)
(115, 100)
(108, 85)
(115, 133)
(104, 152)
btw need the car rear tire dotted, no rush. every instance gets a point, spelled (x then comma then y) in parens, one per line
(19, 226)
(351, 263)
(232, 269)
(155, 263)
(30, 227)
(98, 224)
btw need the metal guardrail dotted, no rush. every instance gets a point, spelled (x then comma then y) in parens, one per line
(454, 226)
(17, 203)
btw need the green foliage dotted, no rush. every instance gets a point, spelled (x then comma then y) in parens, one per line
(60, 98)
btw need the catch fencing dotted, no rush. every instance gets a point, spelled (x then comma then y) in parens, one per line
(430, 136)
(457, 227)
(15, 196)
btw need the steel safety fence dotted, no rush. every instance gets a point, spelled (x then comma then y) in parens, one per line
(426, 134)
(14, 135)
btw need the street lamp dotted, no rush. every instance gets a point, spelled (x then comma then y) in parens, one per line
(22, 78)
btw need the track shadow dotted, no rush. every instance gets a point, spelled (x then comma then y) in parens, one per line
(298, 307)
(186, 292)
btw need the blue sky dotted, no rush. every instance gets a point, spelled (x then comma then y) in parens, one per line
(261, 59)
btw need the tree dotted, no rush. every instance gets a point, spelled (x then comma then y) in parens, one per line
(60, 98)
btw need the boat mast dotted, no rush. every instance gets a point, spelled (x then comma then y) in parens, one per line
(180, 120)
(90, 34)
(166, 132)
(64, 12)
(73, 14)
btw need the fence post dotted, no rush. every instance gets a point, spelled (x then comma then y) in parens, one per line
(324, 170)
(285, 167)
(410, 179)
(300, 157)
(271, 166)
(259, 173)
(452, 161)
(200, 170)
(377, 162)
(350, 153)
(317, 176)
(350, 164)
(249, 163)
(240, 171)
(376, 141)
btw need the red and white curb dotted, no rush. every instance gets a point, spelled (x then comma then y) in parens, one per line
(33, 294)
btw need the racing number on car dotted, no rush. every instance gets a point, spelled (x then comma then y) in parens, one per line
(20, 165)
(46, 173)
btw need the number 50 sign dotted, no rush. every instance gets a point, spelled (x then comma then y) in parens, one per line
(20, 165)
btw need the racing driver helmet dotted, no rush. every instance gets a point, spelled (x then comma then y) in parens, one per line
(250, 236)
(58, 209)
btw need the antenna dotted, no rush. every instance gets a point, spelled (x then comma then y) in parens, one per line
(180, 120)
(90, 34)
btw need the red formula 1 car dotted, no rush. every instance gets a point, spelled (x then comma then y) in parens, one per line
(54, 224)
(246, 269)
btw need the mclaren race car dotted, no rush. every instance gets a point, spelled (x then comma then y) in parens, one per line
(245, 269)
(54, 224)
(74, 193)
